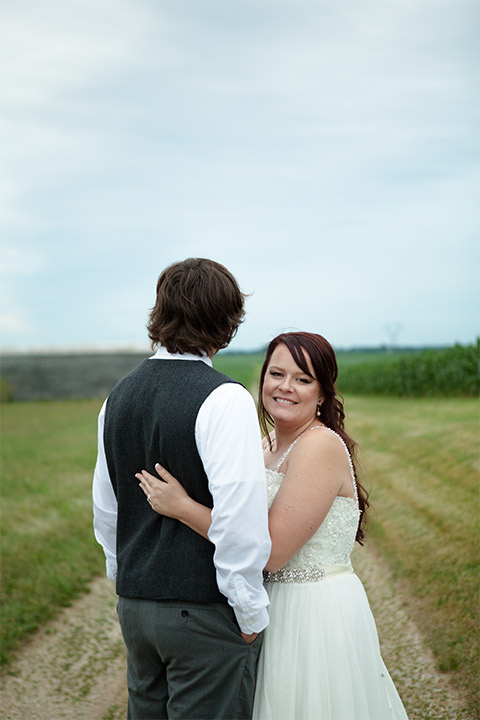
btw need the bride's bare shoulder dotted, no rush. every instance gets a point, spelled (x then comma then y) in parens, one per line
(320, 443)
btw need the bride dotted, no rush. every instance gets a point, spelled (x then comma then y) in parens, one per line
(320, 657)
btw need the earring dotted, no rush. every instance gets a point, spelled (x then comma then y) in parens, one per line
(319, 410)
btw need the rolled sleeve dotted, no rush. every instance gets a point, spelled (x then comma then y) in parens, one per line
(104, 505)
(229, 443)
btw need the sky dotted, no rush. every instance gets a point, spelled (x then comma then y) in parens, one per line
(326, 152)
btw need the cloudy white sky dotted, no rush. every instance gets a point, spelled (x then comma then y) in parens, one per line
(325, 151)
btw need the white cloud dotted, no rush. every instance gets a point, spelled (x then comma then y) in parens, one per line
(17, 265)
(14, 325)
(17, 261)
(51, 47)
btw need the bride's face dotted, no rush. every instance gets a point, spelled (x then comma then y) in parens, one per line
(289, 394)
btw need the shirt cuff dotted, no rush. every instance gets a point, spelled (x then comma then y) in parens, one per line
(111, 569)
(252, 617)
(250, 623)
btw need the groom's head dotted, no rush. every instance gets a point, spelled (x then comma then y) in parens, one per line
(199, 307)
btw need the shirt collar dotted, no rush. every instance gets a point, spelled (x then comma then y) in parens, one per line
(163, 354)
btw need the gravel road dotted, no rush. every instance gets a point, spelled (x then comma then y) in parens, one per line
(74, 669)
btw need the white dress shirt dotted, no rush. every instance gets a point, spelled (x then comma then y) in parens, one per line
(229, 444)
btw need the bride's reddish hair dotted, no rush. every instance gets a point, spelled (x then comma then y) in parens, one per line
(325, 370)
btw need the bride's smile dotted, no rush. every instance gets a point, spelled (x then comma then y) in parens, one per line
(289, 394)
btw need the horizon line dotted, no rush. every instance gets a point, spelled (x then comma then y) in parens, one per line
(135, 348)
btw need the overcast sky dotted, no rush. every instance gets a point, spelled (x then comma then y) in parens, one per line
(324, 151)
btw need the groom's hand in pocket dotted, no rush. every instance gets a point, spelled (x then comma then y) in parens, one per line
(249, 638)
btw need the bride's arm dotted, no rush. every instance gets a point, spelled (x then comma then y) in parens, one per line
(168, 497)
(317, 472)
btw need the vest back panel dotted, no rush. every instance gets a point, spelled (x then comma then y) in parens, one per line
(150, 417)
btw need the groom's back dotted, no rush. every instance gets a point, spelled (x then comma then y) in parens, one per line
(150, 417)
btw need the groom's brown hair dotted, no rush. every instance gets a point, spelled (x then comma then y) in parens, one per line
(198, 308)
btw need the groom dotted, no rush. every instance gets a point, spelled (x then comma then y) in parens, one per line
(190, 610)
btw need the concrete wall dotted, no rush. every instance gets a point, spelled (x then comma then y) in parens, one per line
(41, 377)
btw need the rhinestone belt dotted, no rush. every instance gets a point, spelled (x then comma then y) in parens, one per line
(305, 575)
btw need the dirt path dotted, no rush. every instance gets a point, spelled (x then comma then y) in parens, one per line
(74, 669)
(426, 693)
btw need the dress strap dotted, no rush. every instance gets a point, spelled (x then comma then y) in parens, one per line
(350, 462)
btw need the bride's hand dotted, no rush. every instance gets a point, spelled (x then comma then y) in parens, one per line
(166, 496)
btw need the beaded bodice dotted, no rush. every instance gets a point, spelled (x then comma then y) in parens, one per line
(334, 540)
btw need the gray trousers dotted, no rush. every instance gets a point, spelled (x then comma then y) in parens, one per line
(186, 661)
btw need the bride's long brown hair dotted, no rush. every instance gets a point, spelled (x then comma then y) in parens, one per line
(325, 370)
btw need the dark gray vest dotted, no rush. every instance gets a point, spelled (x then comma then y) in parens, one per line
(150, 417)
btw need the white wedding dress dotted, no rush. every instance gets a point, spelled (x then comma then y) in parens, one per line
(320, 658)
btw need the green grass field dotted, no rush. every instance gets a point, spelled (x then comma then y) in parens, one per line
(245, 367)
(421, 464)
(48, 551)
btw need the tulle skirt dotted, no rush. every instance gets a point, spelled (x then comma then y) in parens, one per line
(320, 658)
